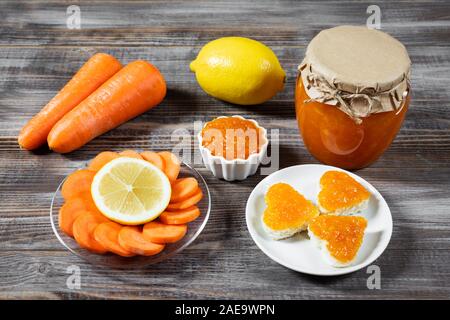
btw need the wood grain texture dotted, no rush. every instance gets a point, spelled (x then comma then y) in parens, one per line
(38, 54)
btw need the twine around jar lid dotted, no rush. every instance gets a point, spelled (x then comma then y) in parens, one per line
(359, 70)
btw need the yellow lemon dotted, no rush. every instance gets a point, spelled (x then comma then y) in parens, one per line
(238, 70)
(131, 191)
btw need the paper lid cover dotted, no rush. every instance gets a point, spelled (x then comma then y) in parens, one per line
(360, 70)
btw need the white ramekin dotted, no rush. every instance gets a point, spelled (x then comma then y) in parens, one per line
(236, 169)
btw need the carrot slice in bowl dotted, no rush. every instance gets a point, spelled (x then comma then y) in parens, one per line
(69, 212)
(173, 165)
(154, 158)
(107, 234)
(77, 182)
(131, 238)
(130, 154)
(180, 216)
(189, 202)
(183, 188)
(101, 159)
(83, 229)
(158, 232)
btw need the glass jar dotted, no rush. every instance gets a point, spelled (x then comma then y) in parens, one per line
(352, 94)
(334, 138)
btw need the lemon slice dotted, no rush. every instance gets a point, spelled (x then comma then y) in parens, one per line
(131, 191)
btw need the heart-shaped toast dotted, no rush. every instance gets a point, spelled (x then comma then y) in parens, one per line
(287, 212)
(339, 237)
(340, 194)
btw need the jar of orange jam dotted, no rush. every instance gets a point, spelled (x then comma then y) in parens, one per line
(351, 95)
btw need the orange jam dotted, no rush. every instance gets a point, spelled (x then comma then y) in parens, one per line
(232, 137)
(340, 191)
(286, 208)
(333, 138)
(344, 234)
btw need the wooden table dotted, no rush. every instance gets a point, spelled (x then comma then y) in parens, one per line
(38, 54)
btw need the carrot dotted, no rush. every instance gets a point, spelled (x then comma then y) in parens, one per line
(173, 165)
(189, 202)
(154, 158)
(136, 88)
(158, 232)
(99, 68)
(183, 188)
(72, 209)
(76, 183)
(130, 154)
(182, 216)
(83, 229)
(130, 238)
(101, 159)
(107, 234)
(69, 212)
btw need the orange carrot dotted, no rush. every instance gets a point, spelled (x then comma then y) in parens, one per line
(107, 234)
(99, 68)
(86, 197)
(69, 212)
(101, 159)
(130, 154)
(183, 188)
(136, 88)
(173, 165)
(182, 216)
(189, 202)
(83, 229)
(77, 182)
(130, 238)
(158, 232)
(154, 158)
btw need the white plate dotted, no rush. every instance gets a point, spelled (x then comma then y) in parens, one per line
(299, 253)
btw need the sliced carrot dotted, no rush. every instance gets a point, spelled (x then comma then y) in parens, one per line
(69, 212)
(107, 233)
(83, 229)
(99, 68)
(133, 90)
(101, 159)
(183, 188)
(173, 165)
(158, 232)
(180, 216)
(130, 154)
(189, 202)
(77, 182)
(154, 158)
(130, 238)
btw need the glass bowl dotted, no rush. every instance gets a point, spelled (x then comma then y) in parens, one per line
(112, 260)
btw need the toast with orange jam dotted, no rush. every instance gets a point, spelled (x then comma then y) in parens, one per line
(340, 194)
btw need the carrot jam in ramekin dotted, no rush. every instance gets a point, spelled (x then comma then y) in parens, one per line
(232, 137)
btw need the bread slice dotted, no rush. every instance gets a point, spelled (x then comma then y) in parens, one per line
(338, 237)
(287, 212)
(340, 194)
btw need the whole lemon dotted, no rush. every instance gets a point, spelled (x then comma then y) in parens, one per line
(238, 70)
